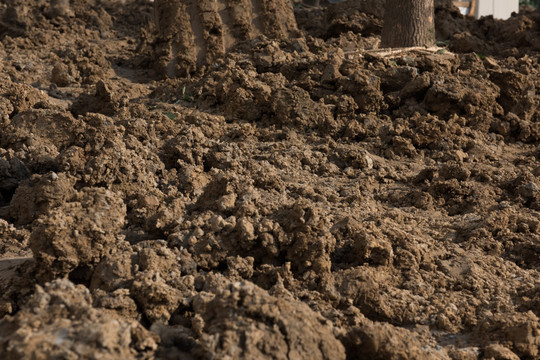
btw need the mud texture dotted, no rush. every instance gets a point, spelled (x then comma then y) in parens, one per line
(192, 34)
(295, 195)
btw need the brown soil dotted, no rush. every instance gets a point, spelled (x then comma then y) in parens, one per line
(294, 196)
(196, 33)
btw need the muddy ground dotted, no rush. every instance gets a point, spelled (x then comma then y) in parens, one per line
(302, 198)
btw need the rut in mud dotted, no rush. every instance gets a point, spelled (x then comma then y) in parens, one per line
(303, 196)
(192, 34)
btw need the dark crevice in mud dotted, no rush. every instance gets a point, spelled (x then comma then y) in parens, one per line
(5, 196)
(81, 275)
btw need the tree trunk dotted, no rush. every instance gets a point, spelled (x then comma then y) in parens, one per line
(408, 23)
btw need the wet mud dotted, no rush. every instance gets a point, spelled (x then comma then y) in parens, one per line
(301, 195)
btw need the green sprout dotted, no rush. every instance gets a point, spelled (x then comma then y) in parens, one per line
(170, 115)
(481, 56)
(442, 43)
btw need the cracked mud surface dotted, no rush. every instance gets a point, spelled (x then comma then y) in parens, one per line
(301, 198)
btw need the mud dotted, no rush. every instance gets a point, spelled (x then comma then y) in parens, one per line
(299, 195)
(192, 34)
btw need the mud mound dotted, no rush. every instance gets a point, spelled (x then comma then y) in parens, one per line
(310, 196)
(77, 234)
(61, 322)
(265, 327)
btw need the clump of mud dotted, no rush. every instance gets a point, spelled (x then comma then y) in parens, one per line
(60, 321)
(299, 195)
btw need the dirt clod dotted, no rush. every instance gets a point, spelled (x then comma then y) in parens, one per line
(257, 180)
(74, 236)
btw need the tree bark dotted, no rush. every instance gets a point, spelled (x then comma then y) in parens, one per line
(408, 23)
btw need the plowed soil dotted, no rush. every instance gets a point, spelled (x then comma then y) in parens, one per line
(306, 196)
